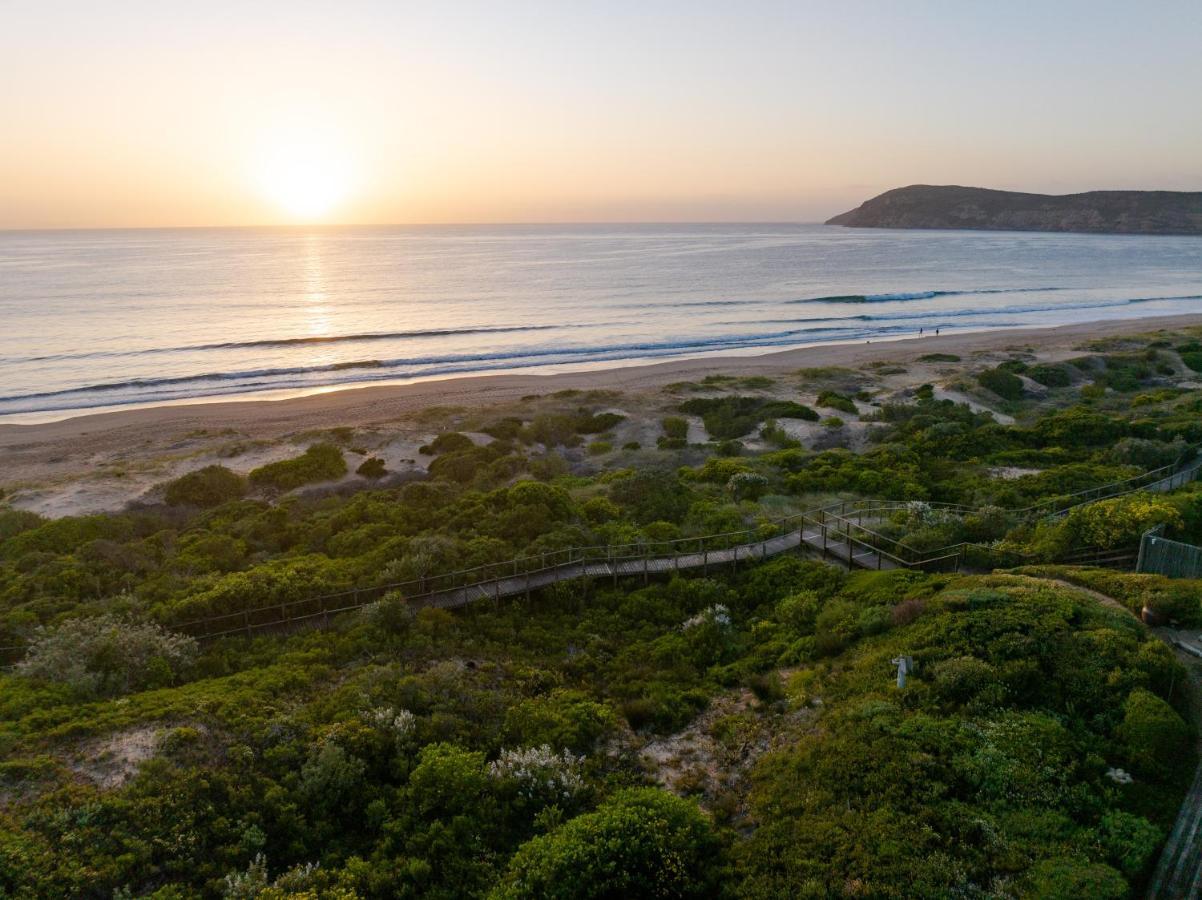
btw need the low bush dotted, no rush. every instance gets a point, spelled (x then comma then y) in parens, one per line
(833, 400)
(1005, 384)
(675, 428)
(207, 487)
(640, 843)
(321, 462)
(105, 655)
(372, 467)
(733, 417)
(449, 442)
(1050, 376)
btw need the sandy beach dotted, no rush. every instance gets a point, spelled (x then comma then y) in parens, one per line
(91, 462)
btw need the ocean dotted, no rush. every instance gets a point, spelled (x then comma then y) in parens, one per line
(103, 319)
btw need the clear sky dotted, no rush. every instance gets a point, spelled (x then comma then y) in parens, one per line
(227, 113)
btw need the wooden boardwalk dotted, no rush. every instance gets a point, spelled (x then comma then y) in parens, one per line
(841, 533)
(813, 538)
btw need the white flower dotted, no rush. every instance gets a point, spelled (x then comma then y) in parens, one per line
(717, 614)
(540, 771)
(400, 722)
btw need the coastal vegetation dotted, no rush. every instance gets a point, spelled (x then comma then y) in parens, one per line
(739, 733)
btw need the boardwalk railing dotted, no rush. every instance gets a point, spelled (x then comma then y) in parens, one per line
(842, 531)
(1165, 478)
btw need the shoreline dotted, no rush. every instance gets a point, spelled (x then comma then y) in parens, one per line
(103, 461)
(368, 404)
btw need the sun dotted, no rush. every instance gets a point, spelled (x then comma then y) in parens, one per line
(304, 172)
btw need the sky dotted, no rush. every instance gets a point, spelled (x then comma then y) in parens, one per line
(165, 113)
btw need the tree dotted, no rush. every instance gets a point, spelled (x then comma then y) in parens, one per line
(641, 843)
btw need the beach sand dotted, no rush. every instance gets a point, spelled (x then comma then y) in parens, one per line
(96, 462)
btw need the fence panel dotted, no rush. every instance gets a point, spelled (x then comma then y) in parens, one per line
(1173, 559)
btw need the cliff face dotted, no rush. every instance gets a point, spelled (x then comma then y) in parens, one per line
(1099, 212)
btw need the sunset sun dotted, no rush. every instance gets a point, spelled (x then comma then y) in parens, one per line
(306, 174)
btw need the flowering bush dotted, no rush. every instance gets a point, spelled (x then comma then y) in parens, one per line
(106, 655)
(540, 773)
(710, 635)
(747, 485)
(400, 723)
(255, 884)
(717, 615)
(1122, 520)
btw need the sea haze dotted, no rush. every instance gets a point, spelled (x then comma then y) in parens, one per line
(97, 319)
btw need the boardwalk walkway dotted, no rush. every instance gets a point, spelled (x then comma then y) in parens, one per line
(814, 538)
(841, 533)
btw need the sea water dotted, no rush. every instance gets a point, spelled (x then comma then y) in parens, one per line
(110, 318)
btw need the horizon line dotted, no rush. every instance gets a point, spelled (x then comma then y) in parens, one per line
(311, 225)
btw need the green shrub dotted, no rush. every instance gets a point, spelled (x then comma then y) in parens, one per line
(506, 429)
(448, 442)
(1154, 736)
(746, 486)
(940, 358)
(639, 843)
(600, 448)
(1120, 521)
(1192, 359)
(1067, 878)
(1131, 842)
(1005, 384)
(207, 487)
(734, 417)
(321, 462)
(832, 400)
(372, 467)
(105, 655)
(675, 428)
(563, 719)
(1050, 376)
